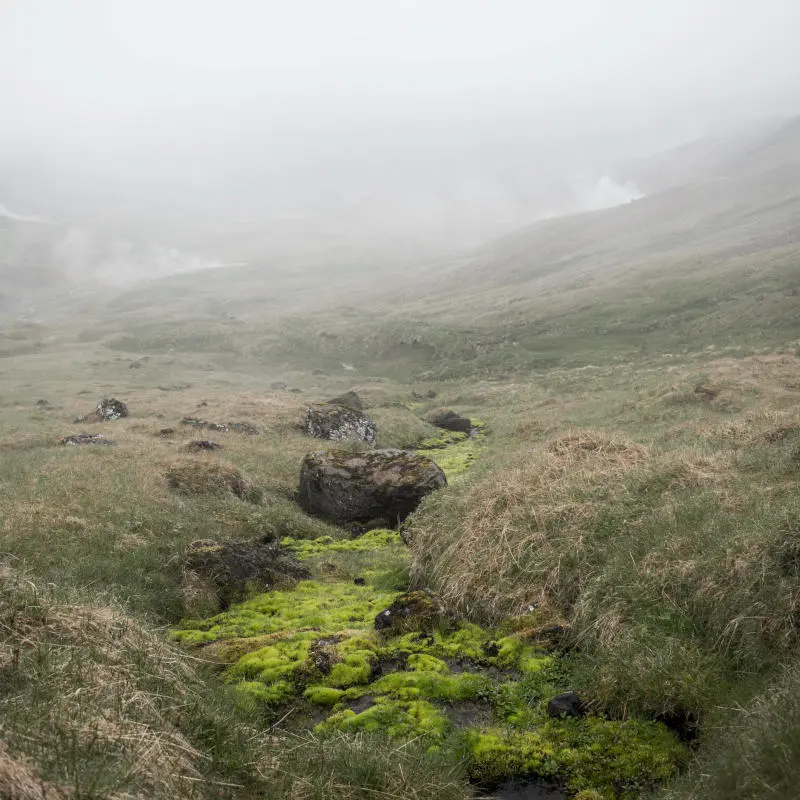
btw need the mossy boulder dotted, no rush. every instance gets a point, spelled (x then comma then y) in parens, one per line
(216, 574)
(338, 423)
(351, 488)
(418, 610)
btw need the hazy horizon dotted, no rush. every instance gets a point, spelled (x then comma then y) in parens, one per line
(444, 121)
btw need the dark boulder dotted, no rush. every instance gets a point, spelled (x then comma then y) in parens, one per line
(347, 488)
(216, 574)
(338, 423)
(568, 704)
(85, 438)
(110, 409)
(419, 610)
(349, 400)
(450, 421)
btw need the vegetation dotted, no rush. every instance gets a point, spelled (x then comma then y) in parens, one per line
(624, 524)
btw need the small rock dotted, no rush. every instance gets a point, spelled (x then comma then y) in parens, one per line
(450, 421)
(85, 438)
(203, 444)
(222, 427)
(568, 704)
(349, 400)
(419, 610)
(323, 654)
(109, 408)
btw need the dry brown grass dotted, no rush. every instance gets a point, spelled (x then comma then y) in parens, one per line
(509, 521)
(20, 780)
(101, 682)
(201, 475)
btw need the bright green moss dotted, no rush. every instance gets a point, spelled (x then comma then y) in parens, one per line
(318, 642)
(433, 686)
(251, 692)
(270, 663)
(328, 607)
(323, 695)
(354, 670)
(422, 662)
(371, 541)
(453, 451)
(616, 759)
(401, 720)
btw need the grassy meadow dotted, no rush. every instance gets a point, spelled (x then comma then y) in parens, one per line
(636, 483)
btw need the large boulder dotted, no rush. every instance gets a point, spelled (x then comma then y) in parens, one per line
(381, 485)
(338, 423)
(450, 421)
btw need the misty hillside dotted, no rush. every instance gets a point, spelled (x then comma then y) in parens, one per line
(746, 202)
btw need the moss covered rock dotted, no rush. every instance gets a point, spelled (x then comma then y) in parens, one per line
(411, 611)
(382, 485)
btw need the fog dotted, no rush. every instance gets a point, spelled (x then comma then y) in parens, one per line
(443, 122)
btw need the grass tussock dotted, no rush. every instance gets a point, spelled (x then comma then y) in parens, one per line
(678, 570)
(102, 705)
(20, 780)
(514, 523)
(198, 476)
(364, 767)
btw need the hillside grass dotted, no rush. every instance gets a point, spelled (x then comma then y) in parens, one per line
(637, 481)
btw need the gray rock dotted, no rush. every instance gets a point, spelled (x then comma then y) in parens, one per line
(349, 488)
(110, 409)
(337, 423)
(85, 438)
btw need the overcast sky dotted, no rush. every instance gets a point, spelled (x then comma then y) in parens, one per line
(339, 86)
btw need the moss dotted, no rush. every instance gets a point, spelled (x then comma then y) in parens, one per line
(354, 670)
(326, 607)
(401, 720)
(252, 692)
(318, 642)
(323, 695)
(432, 685)
(422, 662)
(455, 452)
(371, 541)
(616, 759)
